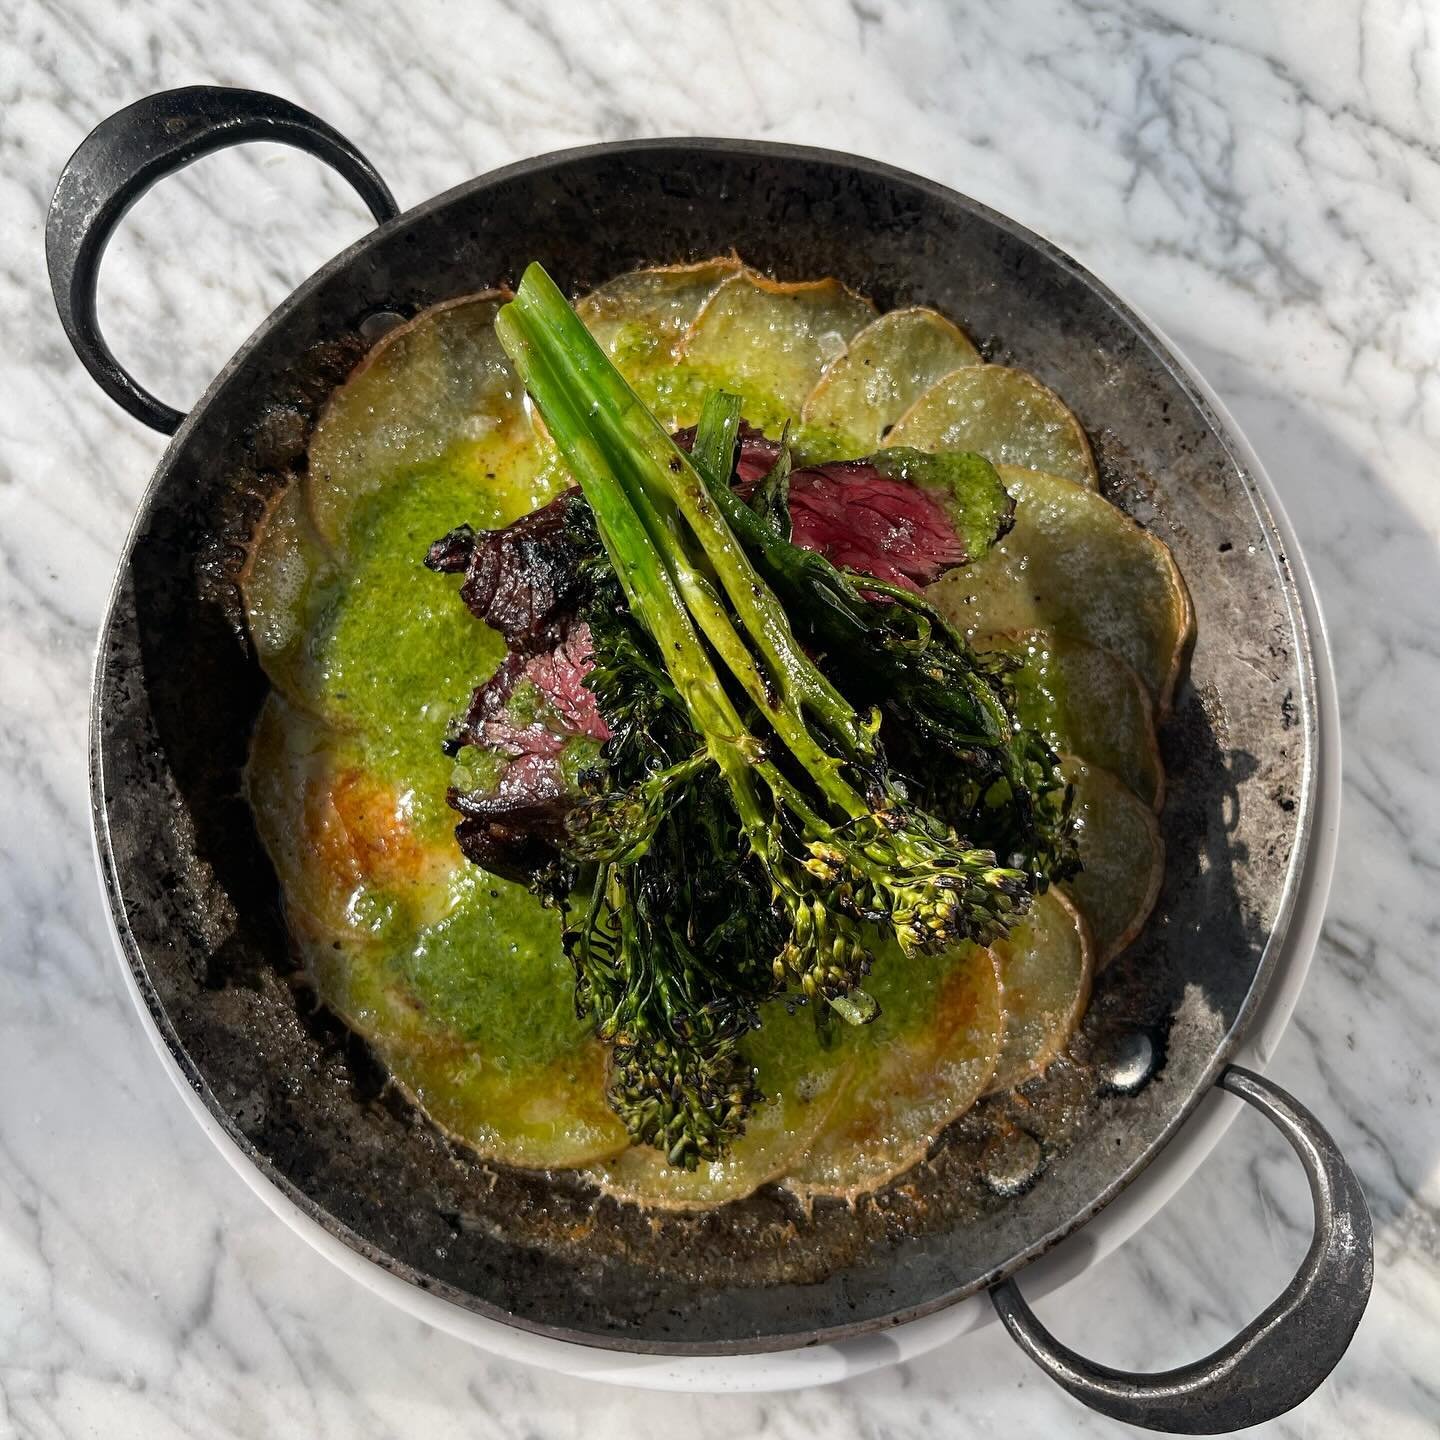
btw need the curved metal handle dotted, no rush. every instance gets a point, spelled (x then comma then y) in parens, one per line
(123, 157)
(1285, 1352)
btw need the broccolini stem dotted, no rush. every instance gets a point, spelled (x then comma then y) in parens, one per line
(837, 865)
(662, 469)
(653, 592)
(643, 575)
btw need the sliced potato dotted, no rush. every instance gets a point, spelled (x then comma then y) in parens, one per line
(1123, 856)
(1007, 415)
(886, 368)
(542, 1108)
(801, 1080)
(1075, 565)
(283, 569)
(1046, 965)
(769, 342)
(396, 653)
(639, 318)
(536, 1117)
(399, 935)
(341, 840)
(291, 753)
(1086, 701)
(929, 1055)
(439, 385)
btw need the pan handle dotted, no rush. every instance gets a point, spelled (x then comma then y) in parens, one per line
(1285, 1352)
(122, 157)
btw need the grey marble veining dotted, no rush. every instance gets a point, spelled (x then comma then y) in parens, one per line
(1263, 181)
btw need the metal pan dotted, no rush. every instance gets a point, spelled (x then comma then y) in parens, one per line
(196, 904)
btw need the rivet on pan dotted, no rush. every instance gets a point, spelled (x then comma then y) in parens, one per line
(1126, 1061)
(1011, 1162)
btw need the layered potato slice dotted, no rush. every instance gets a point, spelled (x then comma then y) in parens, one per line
(398, 934)
(1075, 565)
(457, 979)
(389, 651)
(928, 1056)
(483, 1035)
(285, 566)
(1046, 965)
(768, 342)
(436, 388)
(801, 1078)
(1006, 415)
(1123, 858)
(524, 1086)
(883, 372)
(640, 317)
(1085, 701)
(347, 857)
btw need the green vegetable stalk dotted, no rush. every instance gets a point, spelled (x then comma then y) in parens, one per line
(846, 853)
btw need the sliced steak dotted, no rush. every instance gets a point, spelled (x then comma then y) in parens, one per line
(522, 578)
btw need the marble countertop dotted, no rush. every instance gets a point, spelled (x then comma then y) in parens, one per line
(1263, 181)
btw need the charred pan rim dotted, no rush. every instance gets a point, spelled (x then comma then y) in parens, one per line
(1265, 969)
